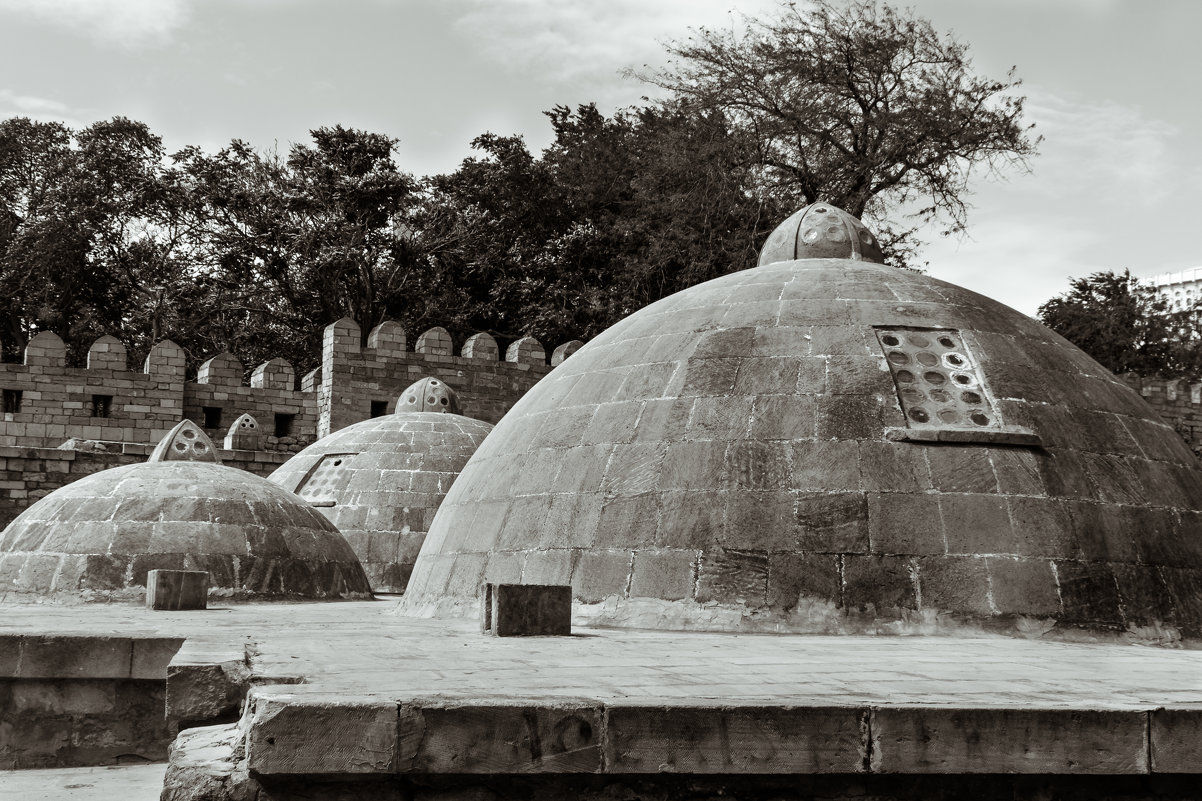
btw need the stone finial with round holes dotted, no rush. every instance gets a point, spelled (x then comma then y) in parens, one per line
(244, 435)
(428, 395)
(821, 231)
(185, 443)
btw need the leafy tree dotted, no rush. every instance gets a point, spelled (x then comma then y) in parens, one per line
(80, 211)
(617, 212)
(1126, 326)
(859, 105)
(297, 242)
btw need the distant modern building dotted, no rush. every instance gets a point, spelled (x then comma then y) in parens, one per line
(1181, 289)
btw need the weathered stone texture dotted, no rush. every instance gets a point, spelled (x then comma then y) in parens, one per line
(524, 610)
(63, 722)
(353, 376)
(728, 440)
(177, 589)
(97, 538)
(397, 469)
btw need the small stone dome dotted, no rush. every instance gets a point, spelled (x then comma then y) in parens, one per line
(96, 538)
(380, 481)
(821, 231)
(831, 445)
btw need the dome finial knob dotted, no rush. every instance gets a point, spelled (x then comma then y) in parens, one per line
(821, 231)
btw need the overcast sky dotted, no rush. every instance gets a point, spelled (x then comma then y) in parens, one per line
(1112, 85)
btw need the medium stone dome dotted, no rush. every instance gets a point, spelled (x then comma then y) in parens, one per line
(831, 445)
(381, 481)
(96, 538)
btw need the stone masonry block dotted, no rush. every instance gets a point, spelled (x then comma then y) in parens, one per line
(340, 734)
(831, 522)
(224, 369)
(67, 657)
(663, 574)
(165, 359)
(1176, 740)
(435, 342)
(730, 576)
(1089, 594)
(45, 349)
(955, 584)
(997, 740)
(473, 739)
(564, 351)
(794, 576)
(517, 610)
(736, 740)
(480, 346)
(526, 350)
(152, 655)
(905, 524)
(107, 353)
(878, 582)
(177, 589)
(388, 340)
(273, 374)
(601, 574)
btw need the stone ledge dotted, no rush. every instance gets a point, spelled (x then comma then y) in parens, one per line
(1020, 437)
(67, 656)
(325, 733)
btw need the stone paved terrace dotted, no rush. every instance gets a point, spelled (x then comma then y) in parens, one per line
(383, 694)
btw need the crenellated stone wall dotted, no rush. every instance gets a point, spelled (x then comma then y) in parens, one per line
(47, 403)
(354, 377)
(1179, 402)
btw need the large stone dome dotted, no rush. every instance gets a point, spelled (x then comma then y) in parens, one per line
(96, 538)
(380, 481)
(830, 445)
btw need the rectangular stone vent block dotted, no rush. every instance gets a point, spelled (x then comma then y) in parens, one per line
(522, 610)
(321, 484)
(938, 380)
(177, 589)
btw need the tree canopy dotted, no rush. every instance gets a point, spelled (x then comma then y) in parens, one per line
(1127, 326)
(102, 231)
(855, 104)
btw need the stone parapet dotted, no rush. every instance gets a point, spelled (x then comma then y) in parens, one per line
(47, 402)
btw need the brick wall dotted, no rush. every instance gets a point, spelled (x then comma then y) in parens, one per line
(352, 376)
(1178, 402)
(130, 411)
(47, 402)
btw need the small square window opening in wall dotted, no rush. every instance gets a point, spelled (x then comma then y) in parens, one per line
(12, 401)
(102, 405)
(283, 424)
(379, 408)
(212, 416)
